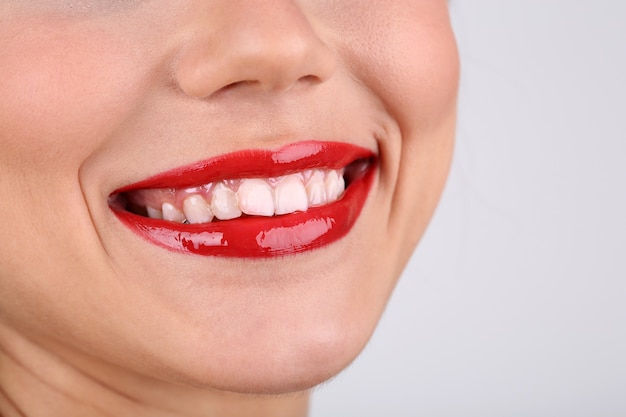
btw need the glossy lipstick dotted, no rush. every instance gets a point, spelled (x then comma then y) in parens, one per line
(256, 236)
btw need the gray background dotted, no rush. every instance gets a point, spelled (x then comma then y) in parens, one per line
(515, 302)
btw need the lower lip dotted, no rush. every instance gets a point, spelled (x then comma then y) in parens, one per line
(257, 237)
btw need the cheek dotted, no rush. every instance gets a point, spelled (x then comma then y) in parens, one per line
(413, 65)
(63, 89)
(404, 52)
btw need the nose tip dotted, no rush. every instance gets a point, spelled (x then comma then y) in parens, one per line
(269, 48)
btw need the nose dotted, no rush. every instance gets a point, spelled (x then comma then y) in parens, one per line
(269, 45)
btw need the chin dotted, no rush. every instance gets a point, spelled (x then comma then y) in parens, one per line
(298, 364)
(278, 359)
(287, 335)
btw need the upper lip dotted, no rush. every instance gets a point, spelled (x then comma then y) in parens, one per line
(256, 163)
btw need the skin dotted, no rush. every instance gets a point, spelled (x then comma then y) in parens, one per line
(100, 94)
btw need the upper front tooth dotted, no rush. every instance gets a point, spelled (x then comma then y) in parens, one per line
(315, 188)
(197, 210)
(224, 203)
(290, 195)
(171, 213)
(256, 197)
(335, 185)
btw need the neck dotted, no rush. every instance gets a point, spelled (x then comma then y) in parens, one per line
(35, 381)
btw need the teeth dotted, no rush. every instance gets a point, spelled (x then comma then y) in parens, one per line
(197, 210)
(154, 213)
(256, 197)
(290, 195)
(315, 189)
(335, 185)
(229, 199)
(171, 213)
(224, 203)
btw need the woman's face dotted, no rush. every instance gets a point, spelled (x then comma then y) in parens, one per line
(105, 100)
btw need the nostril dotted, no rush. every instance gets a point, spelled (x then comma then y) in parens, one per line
(235, 85)
(309, 79)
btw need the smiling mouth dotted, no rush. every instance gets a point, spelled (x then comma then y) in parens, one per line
(258, 203)
(234, 198)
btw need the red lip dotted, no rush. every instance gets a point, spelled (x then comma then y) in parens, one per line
(251, 237)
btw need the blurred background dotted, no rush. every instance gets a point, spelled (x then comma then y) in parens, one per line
(515, 302)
